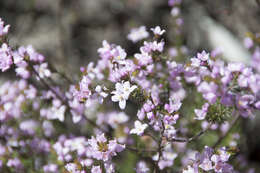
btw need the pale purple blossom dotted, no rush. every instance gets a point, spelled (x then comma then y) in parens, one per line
(173, 106)
(50, 168)
(5, 57)
(201, 113)
(175, 11)
(248, 42)
(96, 169)
(142, 167)
(43, 70)
(137, 34)
(72, 167)
(103, 149)
(189, 169)
(203, 56)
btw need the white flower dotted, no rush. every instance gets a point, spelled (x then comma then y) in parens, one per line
(139, 128)
(224, 155)
(189, 170)
(157, 30)
(43, 70)
(71, 167)
(175, 11)
(200, 114)
(75, 117)
(137, 34)
(122, 92)
(101, 93)
(128, 88)
(58, 113)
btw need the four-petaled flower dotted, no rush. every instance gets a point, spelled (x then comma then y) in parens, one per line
(43, 70)
(139, 128)
(122, 92)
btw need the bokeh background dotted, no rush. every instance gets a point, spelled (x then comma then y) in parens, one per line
(69, 32)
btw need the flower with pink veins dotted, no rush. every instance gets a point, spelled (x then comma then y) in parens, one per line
(119, 55)
(103, 149)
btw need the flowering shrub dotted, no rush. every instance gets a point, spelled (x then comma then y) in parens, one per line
(167, 116)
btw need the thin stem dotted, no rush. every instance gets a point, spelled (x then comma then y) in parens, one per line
(191, 138)
(139, 150)
(234, 121)
(64, 100)
(160, 147)
(46, 84)
(61, 74)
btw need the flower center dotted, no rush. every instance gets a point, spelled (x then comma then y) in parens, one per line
(102, 146)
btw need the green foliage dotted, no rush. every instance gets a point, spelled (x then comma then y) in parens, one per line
(218, 113)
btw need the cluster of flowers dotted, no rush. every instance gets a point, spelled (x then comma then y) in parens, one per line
(87, 151)
(208, 160)
(249, 44)
(33, 119)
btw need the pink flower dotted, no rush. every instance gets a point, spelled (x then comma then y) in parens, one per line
(50, 168)
(248, 42)
(5, 57)
(137, 34)
(102, 149)
(141, 167)
(143, 58)
(173, 106)
(96, 169)
(203, 56)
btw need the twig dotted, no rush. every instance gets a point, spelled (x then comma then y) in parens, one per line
(160, 147)
(46, 84)
(64, 100)
(189, 139)
(139, 150)
(61, 74)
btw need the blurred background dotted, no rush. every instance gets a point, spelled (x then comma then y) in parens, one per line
(69, 32)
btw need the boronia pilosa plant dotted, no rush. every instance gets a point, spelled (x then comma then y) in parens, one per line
(144, 113)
